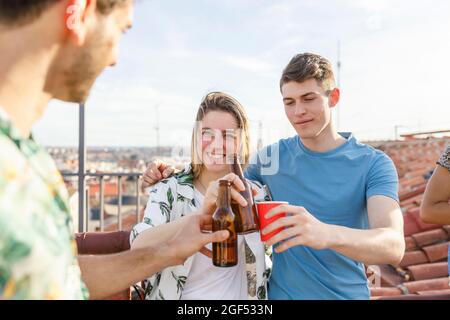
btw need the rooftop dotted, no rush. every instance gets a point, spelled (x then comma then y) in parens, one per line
(424, 268)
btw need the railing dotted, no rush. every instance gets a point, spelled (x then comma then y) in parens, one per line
(84, 210)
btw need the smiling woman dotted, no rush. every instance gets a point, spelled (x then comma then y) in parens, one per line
(221, 129)
(229, 120)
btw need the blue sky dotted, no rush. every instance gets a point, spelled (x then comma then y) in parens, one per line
(395, 68)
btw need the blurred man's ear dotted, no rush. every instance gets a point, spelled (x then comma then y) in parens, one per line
(79, 15)
(335, 95)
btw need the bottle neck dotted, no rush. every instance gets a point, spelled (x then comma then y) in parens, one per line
(236, 168)
(224, 197)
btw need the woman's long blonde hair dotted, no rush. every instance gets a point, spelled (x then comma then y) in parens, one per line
(219, 101)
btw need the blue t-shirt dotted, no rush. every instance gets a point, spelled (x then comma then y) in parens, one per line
(334, 187)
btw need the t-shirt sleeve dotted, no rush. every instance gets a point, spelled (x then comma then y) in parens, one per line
(382, 178)
(444, 161)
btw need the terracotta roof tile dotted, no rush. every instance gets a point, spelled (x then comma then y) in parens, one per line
(110, 188)
(427, 285)
(411, 182)
(417, 172)
(415, 213)
(414, 257)
(430, 237)
(411, 244)
(447, 228)
(410, 225)
(379, 292)
(389, 276)
(437, 252)
(409, 194)
(439, 295)
(428, 271)
(413, 202)
(434, 292)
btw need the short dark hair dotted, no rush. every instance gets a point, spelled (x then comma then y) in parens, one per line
(19, 12)
(307, 66)
(106, 6)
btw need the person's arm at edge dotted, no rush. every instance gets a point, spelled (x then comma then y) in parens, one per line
(435, 206)
(105, 275)
(167, 245)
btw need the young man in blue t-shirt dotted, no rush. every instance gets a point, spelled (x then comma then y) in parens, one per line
(343, 195)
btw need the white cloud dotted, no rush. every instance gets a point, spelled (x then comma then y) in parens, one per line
(248, 64)
(374, 5)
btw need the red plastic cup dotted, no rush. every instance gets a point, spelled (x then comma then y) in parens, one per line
(263, 209)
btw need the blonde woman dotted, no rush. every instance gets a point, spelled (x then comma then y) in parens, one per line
(221, 129)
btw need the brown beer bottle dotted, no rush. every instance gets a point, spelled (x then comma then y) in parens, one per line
(225, 254)
(246, 217)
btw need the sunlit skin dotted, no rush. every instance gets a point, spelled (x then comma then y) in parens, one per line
(435, 206)
(90, 46)
(218, 137)
(308, 108)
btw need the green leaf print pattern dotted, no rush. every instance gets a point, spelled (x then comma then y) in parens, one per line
(170, 198)
(148, 288)
(148, 221)
(180, 198)
(185, 179)
(165, 210)
(13, 250)
(262, 294)
(181, 281)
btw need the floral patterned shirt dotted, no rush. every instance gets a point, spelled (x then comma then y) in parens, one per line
(171, 199)
(444, 161)
(37, 244)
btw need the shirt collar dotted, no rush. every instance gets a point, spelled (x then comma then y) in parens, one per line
(41, 164)
(348, 136)
(185, 182)
(9, 129)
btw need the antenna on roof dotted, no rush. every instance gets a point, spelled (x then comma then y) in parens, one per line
(157, 130)
(260, 133)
